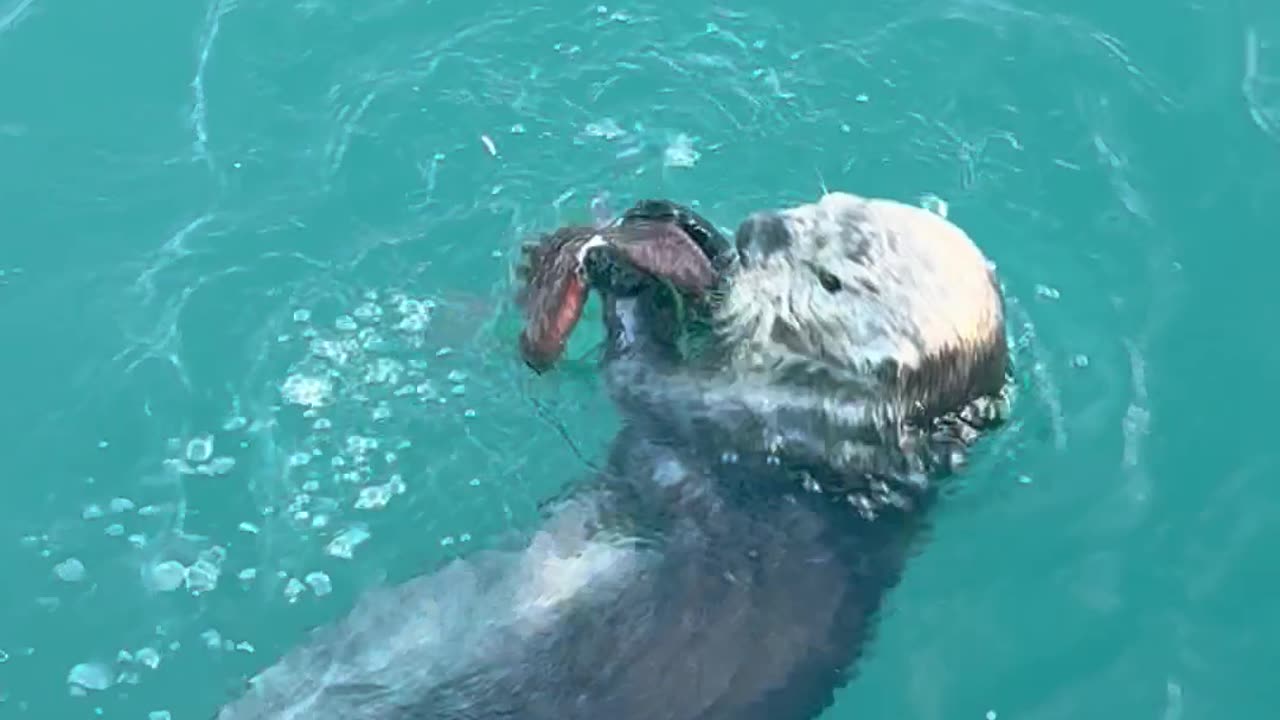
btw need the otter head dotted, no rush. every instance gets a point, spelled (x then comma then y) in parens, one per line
(865, 296)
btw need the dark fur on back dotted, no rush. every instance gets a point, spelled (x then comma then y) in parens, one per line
(729, 560)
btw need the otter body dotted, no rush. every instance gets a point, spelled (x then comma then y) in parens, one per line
(760, 499)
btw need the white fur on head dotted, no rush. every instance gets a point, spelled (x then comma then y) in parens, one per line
(909, 285)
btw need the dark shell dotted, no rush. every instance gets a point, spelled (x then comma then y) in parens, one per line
(666, 251)
(713, 244)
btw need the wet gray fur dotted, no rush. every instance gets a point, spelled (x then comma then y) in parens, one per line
(759, 501)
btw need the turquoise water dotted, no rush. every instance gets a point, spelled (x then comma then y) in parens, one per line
(214, 215)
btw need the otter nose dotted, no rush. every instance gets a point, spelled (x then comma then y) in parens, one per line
(761, 234)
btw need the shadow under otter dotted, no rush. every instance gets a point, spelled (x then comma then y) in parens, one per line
(761, 497)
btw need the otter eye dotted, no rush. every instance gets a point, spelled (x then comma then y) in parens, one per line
(830, 282)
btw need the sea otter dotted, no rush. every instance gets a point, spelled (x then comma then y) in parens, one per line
(786, 419)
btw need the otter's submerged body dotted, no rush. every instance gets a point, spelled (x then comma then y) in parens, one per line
(737, 601)
(707, 572)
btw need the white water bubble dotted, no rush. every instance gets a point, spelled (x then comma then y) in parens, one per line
(344, 544)
(415, 316)
(368, 312)
(121, 505)
(457, 376)
(345, 323)
(608, 129)
(202, 576)
(306, 390)
(212, 638)
(293, 589)
(148, 656)
(159, 715)
(320, 583)
(1046, 292)
(384, 371)
(330, 350)
(113, 530)
(374, 497)
(369, 338)
(301, 500)
(92, 512)
(166, 576)
(69, 570)
(680, 153)
(89, 676)
(200, 448)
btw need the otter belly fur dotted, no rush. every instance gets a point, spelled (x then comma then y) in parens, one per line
(759, 501)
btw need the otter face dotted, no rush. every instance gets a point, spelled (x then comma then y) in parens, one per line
(853, 288)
